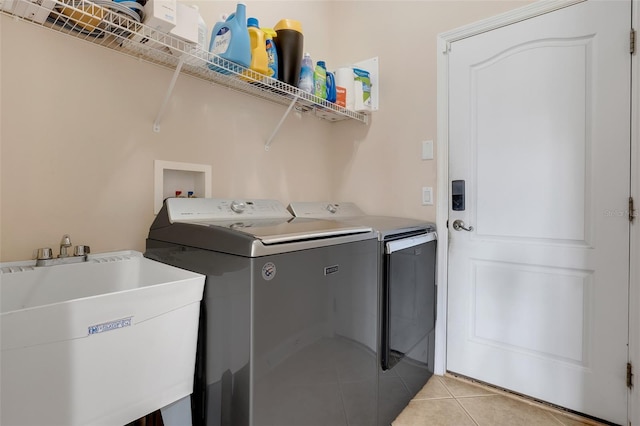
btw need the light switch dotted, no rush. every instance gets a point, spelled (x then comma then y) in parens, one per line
(427, 150)
(427, 196)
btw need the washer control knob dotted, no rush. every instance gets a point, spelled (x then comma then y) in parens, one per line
(238, 206)
(331, 208)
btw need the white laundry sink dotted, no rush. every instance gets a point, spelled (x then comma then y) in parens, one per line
(104, 341)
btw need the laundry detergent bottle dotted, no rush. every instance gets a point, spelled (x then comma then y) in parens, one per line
(259, 57)
(331, 87)
(289, 43)
(306, 74)
(320, 80)
(272, 53)
(230, 41)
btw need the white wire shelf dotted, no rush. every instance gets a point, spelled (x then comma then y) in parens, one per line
(110, 24)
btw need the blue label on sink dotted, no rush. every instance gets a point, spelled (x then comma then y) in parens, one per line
(111, 325)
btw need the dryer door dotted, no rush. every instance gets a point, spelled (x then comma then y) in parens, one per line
(408, 297)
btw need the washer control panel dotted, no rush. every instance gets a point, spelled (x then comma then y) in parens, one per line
(206, 209)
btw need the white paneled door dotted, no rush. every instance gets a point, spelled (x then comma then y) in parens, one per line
(539, 140)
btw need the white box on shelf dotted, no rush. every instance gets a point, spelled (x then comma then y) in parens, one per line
(362, 90)
(186, 23)
(161, 14)
(34, 10)
(370, 65)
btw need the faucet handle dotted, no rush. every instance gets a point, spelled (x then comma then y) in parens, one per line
(44, 253)
(81, 250)
(66, 241)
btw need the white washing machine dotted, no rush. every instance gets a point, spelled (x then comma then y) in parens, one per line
(288, 328)
(407, 292)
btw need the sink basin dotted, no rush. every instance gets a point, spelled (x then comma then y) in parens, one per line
(100, 342)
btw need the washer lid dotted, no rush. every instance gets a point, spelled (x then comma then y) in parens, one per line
(273, 231)
(266, 220)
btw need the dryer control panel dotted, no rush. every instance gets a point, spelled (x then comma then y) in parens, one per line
(325, 210)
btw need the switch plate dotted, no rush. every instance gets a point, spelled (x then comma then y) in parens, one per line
(427, 150)
(427, 196)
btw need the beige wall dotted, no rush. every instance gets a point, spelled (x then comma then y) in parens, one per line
(77, 146)
(382, 170)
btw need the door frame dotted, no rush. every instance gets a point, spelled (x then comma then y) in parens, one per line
(634, 287)
(442, 213)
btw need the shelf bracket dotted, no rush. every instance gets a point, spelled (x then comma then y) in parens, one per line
(267, 144)
(167, 96)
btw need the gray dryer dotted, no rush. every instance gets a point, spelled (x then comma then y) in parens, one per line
(406, 280)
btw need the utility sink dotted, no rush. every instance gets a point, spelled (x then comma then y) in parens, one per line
(102, 342)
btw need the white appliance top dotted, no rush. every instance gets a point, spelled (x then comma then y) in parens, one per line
(230, 224)
(385, 226)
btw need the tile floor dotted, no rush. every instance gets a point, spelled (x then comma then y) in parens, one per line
(447, 400)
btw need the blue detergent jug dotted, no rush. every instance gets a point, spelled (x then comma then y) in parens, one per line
(331, 87)
(230, 41)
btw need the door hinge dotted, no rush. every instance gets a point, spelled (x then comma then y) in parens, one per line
(629, 375)
(632, 41)
(632, 210)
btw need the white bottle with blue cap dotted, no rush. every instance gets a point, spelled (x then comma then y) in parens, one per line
(306, 74)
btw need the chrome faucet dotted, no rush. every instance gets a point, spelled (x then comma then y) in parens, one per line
(44, 256)
(64, 244)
